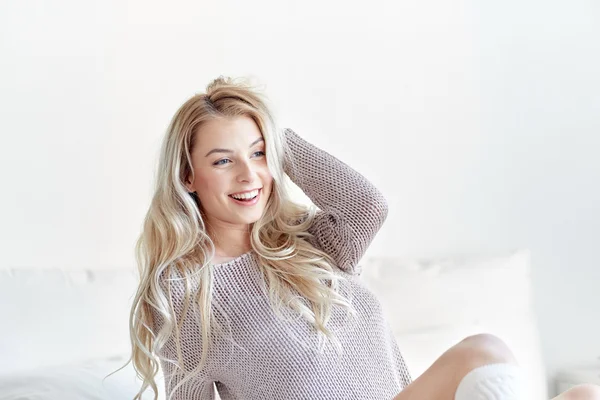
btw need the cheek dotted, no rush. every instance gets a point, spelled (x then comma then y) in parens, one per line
(268, 185)
(266, 177)
(209, 185)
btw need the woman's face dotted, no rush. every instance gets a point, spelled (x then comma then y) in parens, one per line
(229, 161)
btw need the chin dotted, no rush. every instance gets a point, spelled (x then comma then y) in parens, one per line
(256, 217)
(253, 219)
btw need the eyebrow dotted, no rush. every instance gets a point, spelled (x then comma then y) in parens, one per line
(231, 151)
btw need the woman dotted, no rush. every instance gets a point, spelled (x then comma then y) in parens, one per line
(244, 289)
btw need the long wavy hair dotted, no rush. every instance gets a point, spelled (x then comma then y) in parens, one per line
(174, 239)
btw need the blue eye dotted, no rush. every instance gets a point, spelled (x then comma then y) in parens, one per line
(224, 161)
(220, 161)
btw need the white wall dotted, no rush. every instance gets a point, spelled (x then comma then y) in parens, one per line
(479, 122)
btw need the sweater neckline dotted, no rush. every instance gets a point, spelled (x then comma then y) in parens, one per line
(235, 260)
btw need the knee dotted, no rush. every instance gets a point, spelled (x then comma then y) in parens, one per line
(485, 348)
(585, 391)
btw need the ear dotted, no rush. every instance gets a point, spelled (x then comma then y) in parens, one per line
(189, 184)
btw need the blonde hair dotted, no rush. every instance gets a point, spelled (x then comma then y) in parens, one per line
(174, 240)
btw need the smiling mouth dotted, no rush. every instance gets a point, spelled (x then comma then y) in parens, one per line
(246, 196)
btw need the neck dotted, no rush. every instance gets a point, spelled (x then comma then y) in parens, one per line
(230, 240)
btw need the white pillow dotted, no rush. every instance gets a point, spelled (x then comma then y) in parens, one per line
(434, 303)
(450, 290)
(55, 317)
(80, 381)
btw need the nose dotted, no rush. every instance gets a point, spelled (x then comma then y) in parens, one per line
(246, 172)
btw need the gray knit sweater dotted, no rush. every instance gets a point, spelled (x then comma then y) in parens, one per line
(265, 357)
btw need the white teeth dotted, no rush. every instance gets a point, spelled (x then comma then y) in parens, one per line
(247, 195)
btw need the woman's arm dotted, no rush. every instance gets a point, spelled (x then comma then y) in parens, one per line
(352, 210)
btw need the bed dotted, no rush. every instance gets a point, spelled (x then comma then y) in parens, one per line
(65, 330)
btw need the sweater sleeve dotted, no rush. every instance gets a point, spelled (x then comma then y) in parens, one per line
(201, 385)
(351, 209)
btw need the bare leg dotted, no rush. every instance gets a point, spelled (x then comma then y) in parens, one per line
(581, 392)
(441, 380)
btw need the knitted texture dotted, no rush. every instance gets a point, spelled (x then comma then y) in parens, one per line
(492, 382)
(263, 356)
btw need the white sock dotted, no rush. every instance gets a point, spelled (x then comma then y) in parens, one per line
(492, 382)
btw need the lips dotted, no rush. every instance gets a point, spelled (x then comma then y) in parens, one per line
(250, 199)
(244, 192)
